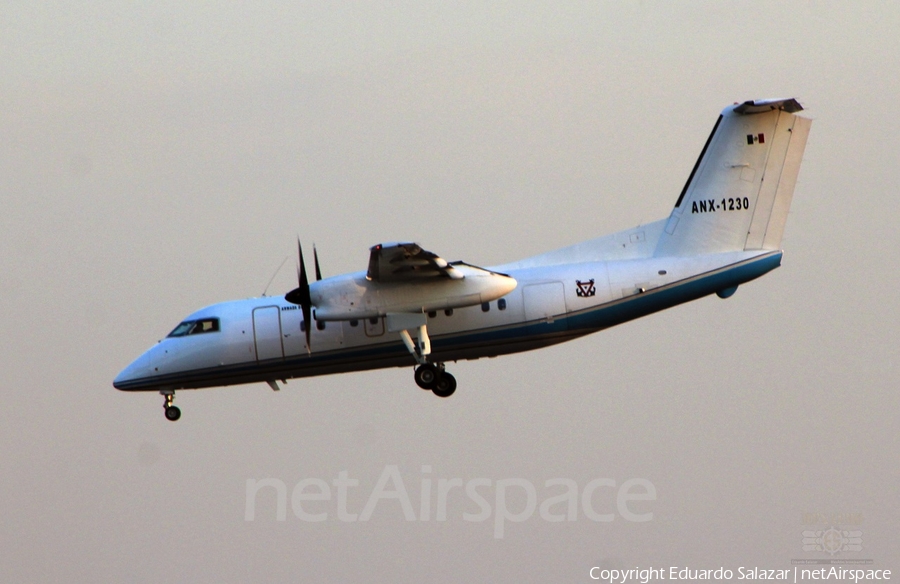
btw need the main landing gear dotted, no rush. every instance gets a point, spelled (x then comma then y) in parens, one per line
(434, 377)
(172, 412)
(428, 375)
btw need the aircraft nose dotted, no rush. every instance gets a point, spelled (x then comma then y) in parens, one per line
(139, 368)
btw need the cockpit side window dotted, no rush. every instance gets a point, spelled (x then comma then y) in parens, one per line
(196, 327)
(209, 325)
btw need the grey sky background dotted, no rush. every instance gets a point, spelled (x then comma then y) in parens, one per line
(158, 158)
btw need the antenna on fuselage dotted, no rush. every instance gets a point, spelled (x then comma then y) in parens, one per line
(281, 265)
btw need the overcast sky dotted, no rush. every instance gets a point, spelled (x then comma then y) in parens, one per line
(156, 158)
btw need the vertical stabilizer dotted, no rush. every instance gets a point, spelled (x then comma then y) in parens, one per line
(739, 192)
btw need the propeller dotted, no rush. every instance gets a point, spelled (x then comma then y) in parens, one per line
(300, 295)
(316, 259)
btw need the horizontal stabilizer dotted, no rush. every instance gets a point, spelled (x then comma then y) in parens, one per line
(758, 106)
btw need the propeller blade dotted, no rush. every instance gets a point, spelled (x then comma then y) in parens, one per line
(301, 296)
(307, 324)
(316, 259)
(304, 281)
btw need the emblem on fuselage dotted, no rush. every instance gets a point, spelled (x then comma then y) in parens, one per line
(585, 289)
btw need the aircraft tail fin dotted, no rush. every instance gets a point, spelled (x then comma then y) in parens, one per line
(739, 192)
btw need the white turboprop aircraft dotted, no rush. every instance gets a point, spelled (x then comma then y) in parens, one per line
(413, 308)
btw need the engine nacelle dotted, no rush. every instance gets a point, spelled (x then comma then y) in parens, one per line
(353, 296)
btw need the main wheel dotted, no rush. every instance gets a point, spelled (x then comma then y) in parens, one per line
(172, 413)
(444, 386)
(426, 375)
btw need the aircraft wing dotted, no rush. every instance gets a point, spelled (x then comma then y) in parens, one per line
(402, 262)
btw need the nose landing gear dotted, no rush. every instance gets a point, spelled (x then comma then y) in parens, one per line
(433, 377)
(172, 412)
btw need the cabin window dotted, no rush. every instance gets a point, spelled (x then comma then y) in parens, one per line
(485, 307)
(302, 326)
(501, 304)
(373, 320)
(196, 327)
(432, 313)
(354, 322)
(448, 312)
(320, 324)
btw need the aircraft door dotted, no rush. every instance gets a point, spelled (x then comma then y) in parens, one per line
(267, 333)
(544, 301)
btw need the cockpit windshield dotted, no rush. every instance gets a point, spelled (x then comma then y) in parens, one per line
(196, 327)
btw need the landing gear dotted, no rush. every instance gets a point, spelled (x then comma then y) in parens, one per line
(444, 386)
(426, 375)
(172, 411)
(433, 377)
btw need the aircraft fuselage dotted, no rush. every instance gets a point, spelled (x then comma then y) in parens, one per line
(262, 339)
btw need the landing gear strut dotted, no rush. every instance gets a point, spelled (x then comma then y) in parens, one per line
(434, 377)
(428, 375)
(172, 412)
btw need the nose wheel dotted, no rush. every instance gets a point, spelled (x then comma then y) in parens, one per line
(172, 411)
(433, 377)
